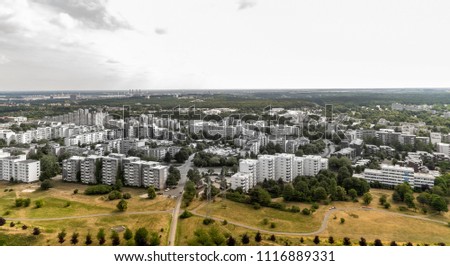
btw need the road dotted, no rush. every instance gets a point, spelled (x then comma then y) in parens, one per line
(324, 224)
(178, 192)
(329, 148)
(88, 216)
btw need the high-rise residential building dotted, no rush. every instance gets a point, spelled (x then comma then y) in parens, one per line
(7, 166)
(283, 166)
(27, 171)
(88, 169)
(133, 173)
(110, 167)
(241, 180)
(71, 169)
(249, 166)
(154, 174)
(266, 167)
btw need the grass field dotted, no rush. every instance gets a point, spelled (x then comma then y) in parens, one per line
(60, 202)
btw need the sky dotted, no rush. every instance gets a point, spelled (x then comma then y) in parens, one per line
(223, 44)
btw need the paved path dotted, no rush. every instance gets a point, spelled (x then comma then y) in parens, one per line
(176, 211)
(324, 224)
(88, 216)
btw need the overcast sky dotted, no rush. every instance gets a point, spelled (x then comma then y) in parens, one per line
(220, 44)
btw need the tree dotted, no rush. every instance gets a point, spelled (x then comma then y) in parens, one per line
(342, 220)
(115, 238)
(438, 203)
(387, 205)
(39, 203)
(362, 242)
(409, 200)
(347, 241)
(168, 157)
(122, 205)
(393, 243)
(36, 231)
(74, 238)
(128, 234)
(319, 193)
(49, 167)
(46, 184)
(154, 239)
(101, 236)
(88, 239)
(231, 241)
(260, 196)
(383, 199)
(316, 240)
(2, 221)
(352, 194)
(141, 237)
(181, 156)
(331, 240)
(26, 202)
(62, 236)
(151, 192)
(258, 237)
(377, 242)
(245, 239)
(272, 238)
(367, 198)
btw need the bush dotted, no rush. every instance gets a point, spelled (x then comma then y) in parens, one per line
(113, 195)
(208, 221)
(402, 209)
(277, 205)
(36, 231)
(19, 202)
(294, 209)
(12, 224)
(224, 222)
(67, 205)
(272, 238)
(75, 191)
(306, 211)
(98, 190)
(273, 225)
(347, 242)
(331, 240)
(387, 205)
(256, 206)
(342, 220)
(39, 203)
(46, 184)
(122, 205)
(377, 242)
(24, 227)
(315, 206)
(316, 240)
(126, 195)
(245, 239)
(26, 202)
(185, 214)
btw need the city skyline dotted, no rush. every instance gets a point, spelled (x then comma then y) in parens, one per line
(160, 45)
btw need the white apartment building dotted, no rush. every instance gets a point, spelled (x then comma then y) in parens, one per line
(133, 174)
(71, 168)
(110, 166)
(27, 171)
(87, 169)
(443, 148)
(241, 180)
(283, 166)
(249, 166)
(395, 175)
(7, 166)
(435, 137)
(154, 174)
(266, 167)
(159, 153)
(312, 164)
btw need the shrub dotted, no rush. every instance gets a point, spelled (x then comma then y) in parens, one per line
(306, 211)
(342, 220)
(26, 202)
(46, 184)
(19, 202)
(272, 238)
(225, 222)
(377, 242)
(39, 203)
(36, 231)
(75, 191)
(126, 195)
(331, 240)
(122, 205)
(208, 221)
(315, 206)
(347, 242)
(113, 195)
(245, 239)
(185, 214)
(402, 208)
(24, 227)
(387, 205)
(256, 206)
(67, 204)
(316, 240)
(294, 209)
(362, 242)
(265, 221)
(273, 225)
(12, 224)
(98, 190)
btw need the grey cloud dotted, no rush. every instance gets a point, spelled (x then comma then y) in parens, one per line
(92, 13)
(4, 60)
(160, 31)
(112, 61)
(244, 4)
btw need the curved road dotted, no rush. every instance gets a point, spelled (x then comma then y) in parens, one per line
(88, 216)
(324, 221)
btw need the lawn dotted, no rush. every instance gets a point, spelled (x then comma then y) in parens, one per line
(60, 201)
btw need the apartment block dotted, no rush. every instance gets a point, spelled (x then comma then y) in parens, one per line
(241, 180)
(71, 168)
(88, 168)
(27, 171)
(395, 175)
